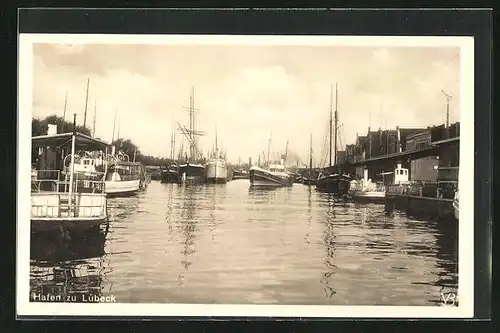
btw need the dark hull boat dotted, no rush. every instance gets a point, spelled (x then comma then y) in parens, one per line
(337, 183)
(191, 174)
(170, 175)
(309, 181)
(240, 174)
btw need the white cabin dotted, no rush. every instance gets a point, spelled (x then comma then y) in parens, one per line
(277, 168)
(401, 175)
(85, 165)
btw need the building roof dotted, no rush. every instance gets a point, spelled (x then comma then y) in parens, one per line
(82, 141)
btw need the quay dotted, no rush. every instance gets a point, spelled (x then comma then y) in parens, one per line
(430, 155)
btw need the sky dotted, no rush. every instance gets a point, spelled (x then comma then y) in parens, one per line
(249, 93)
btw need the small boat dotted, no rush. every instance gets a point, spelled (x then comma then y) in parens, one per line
(125, 178)
(154, 173)
(170, 174)
(64, 198)
(455, 204)
(367, 192)
(310, 181)
(240, 174)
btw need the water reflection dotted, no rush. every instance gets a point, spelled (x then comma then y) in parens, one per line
(187, 225)
(70, 267)
(231, 244)
(329, 238)
(309, 214)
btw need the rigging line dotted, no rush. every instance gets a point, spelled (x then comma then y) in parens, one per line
(324, 150)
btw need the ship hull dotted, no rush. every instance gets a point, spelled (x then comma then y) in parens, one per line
(53, 224)
(191, 174)
(337, 184)
(122, 188)
(264, 178)
(216, 172)
(170, 176)
(369, 197)
(309, 182)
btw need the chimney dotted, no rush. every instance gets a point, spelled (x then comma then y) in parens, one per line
(398, 140)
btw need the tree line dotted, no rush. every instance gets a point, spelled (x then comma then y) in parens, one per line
(40, 127)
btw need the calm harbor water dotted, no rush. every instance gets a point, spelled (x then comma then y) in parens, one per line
(230, 244)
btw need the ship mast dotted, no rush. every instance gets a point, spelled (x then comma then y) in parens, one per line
(269, 149)
(331, 125)
(114, 125)
(336, 121)
(64, 112)
(191, 125)
(216, 147)
(286, 152)
(172, 143)
(86, 103)
(310, 155)
(95, 115)
(191, 133)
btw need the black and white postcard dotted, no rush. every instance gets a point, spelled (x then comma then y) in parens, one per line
(261, 176)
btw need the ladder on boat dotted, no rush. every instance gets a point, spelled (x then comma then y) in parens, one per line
(67, 206)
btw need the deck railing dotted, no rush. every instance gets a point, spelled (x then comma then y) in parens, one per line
(65, 208)
(430, 189)
(57, 181)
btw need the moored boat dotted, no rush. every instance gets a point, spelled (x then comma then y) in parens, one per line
(216, 167)
(216, 171)
(240, 174)
(367, 192)
(336, 183)
(274, 175)
(125, 178)
(62, 197)
(170, 174)
(191, 173)
(310, 178)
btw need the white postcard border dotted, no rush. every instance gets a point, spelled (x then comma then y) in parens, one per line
(466, 183)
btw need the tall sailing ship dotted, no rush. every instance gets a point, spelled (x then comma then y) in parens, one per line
(337, 183)
(193, 171)
(216, 167)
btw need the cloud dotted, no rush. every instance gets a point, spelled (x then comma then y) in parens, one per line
(250, 93)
